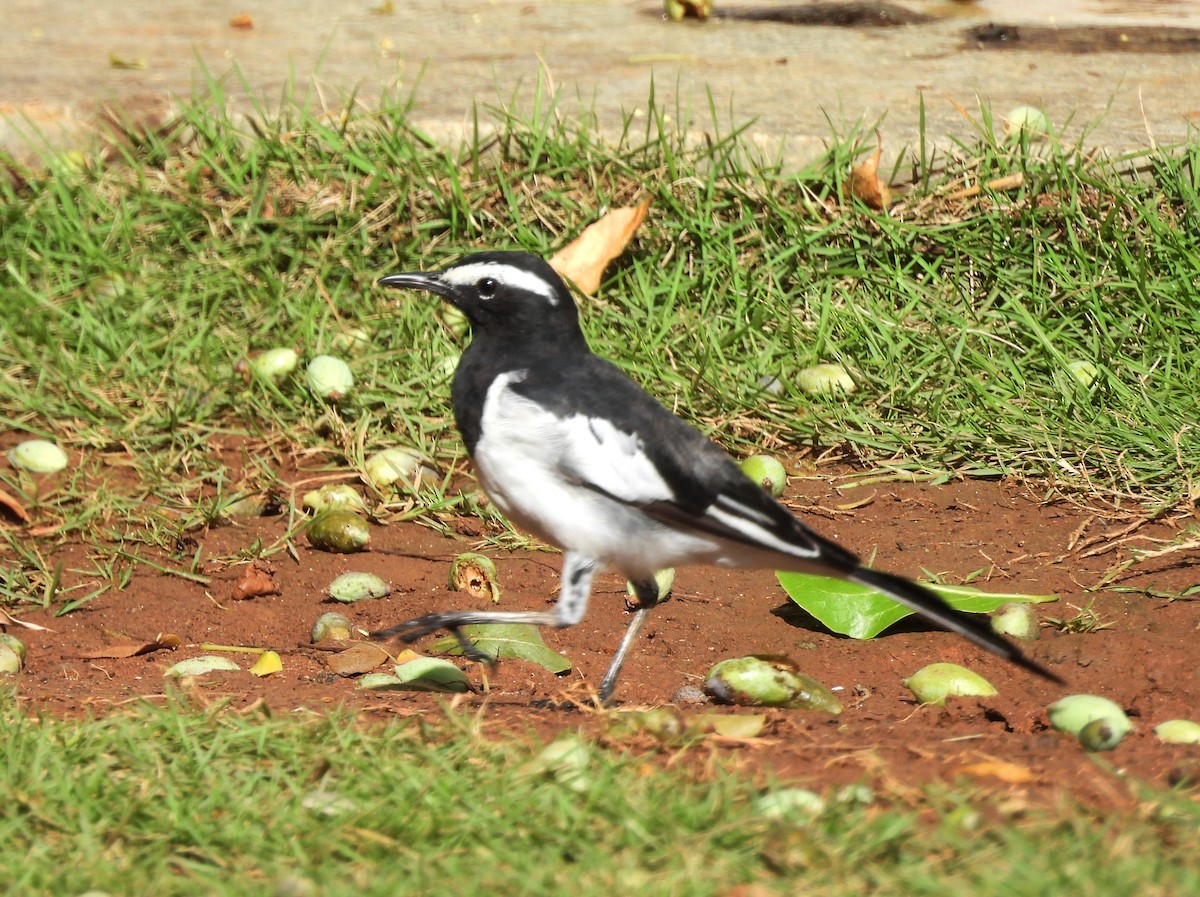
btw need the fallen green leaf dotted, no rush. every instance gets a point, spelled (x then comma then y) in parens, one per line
(519, 640)
(850, 609)
(432, 674)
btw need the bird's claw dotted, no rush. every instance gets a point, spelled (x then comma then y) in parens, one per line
(411, 630)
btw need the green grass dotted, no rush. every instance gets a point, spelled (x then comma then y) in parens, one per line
(132, 284)
(177, 801)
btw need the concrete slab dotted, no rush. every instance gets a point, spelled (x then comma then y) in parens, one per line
(62, 59)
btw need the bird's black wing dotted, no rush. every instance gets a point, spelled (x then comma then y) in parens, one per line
(620, 441)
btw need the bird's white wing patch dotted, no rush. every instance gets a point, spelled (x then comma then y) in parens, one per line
(520, 437)
(604, 457)
(518, 278)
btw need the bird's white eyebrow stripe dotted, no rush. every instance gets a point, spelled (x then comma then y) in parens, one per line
(468, 275)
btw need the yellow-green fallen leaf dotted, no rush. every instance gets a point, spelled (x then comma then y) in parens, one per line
(268, 662)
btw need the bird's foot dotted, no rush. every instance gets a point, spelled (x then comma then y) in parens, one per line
(411, 630)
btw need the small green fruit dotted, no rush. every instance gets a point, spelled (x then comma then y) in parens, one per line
(663, 581)
(825, 378)
(275, 364)
(1017, 620)
(474, 574)
(1178, 731)
(1074, 712)
(10, 661)
(1101, 735)
(934, 683)
(665, 724)
(767, 472)
(566, 759)
(1028, 120)
(329, 378)
(768, 681)
(396, 466)
(38, 456)
(339, 531)
(15, 644)
(199, 666)
(455, 321)
(331, 626)
(333, 496)
(1082, 372)
(354, 586)
(787, 803)
(354, 341)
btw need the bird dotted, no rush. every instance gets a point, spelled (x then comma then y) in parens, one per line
(576, 453)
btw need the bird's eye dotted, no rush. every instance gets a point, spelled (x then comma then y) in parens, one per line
(487, 287)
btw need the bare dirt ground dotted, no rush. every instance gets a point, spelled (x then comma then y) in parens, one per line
(1144, 657)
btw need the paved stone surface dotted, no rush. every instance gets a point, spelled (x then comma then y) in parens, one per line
(58, 65)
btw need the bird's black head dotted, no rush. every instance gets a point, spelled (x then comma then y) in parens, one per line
(503, 294)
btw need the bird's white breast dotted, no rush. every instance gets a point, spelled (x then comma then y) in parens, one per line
(554, 476)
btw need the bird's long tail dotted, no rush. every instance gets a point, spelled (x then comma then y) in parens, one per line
(934, 609)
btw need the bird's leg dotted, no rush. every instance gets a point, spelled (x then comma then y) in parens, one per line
(468, 648)
(647, 595)
(576, 588)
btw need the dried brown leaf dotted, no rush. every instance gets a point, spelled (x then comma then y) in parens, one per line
(584, 259)
(359, 658)
(162, 642)
(865, 183)
(13, 506)
(9, 619)
(254, 581)
(1008, 182)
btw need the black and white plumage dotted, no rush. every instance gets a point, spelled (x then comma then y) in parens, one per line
(576, 453)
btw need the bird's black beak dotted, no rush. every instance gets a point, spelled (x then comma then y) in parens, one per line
(431, 283)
